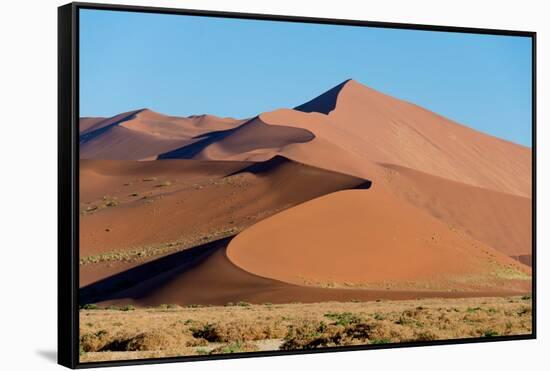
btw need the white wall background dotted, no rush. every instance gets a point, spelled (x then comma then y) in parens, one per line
(28, 78)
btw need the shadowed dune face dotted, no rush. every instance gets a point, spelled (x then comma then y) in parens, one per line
(205, 275)
(215, 280)
(91, 127)
(367, 238)
(324, 103)
(120, 143)
(86, 123)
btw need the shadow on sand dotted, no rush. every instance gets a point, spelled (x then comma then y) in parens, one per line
(148, 275)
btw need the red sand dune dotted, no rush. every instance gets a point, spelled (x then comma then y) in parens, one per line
(401, 133)
(112, 178)
(86, 123)
(202, 198)
(365, 238)
(213, 279)
(253, 138)
(144, 134)
(502, 221)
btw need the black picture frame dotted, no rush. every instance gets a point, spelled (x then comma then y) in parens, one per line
(68, 179)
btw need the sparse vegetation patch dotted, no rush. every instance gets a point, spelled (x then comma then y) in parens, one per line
(125, 332)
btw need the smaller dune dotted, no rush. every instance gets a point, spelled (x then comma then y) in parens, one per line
(370, 239)
(144, 134)
(250, 138)
(139, 207)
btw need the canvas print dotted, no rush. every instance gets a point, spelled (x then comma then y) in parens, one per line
(253, 185)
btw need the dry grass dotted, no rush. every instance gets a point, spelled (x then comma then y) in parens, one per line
(142, 253)
(170, 330)
(147, 251)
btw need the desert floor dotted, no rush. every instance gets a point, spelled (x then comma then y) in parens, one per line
(125, 332)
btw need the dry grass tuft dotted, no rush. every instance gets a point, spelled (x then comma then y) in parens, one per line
(236, 347)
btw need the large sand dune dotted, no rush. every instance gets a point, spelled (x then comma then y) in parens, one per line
(401, 133)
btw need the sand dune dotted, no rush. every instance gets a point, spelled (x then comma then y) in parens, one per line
(306, 138)
(204, 198)
(500, 220)
(400, 133)
(252, 138)
(369, 238)
(90, 127)
(144, 134)
(86, 123)
(113, 178)
(208, 277)
(383, 129)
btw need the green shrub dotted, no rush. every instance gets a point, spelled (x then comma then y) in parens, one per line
(310, 335)
(208, 331)
(236, 347)
(344, 318)
(380, 341)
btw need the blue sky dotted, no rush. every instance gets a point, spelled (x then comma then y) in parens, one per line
(184, 65)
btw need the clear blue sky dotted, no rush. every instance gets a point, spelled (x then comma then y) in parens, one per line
(184, 65)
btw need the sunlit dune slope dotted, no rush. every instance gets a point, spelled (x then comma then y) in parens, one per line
(369, 238)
